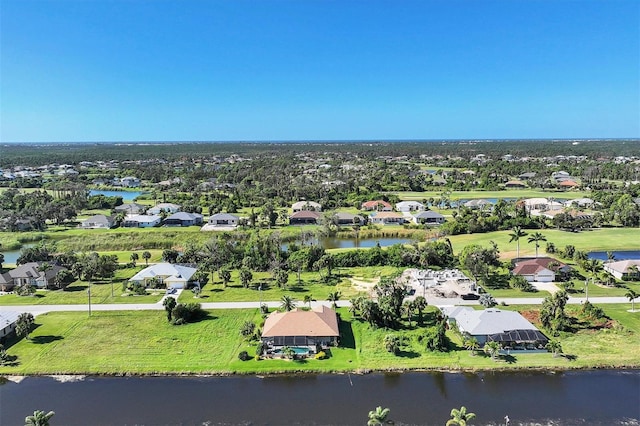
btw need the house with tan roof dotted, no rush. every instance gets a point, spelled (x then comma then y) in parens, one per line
(623, 269)
(387, 218)
(312, 330)
(306, 206)
(541, 269)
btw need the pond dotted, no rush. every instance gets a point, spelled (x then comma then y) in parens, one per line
(602, 397)
(11, 256)
(349, 243)
(619, 255)
(127, 196)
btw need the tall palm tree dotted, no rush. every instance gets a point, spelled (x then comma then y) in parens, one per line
(287, 303)
(308, 299)
(39, 418)
(593, 267)
(134, 258)
(460, 417)
(420, 303)
(632, 296)
(515, 235)
(536, 238)
(379, 416)
(333, 297)
(471, 343)
(146, 256)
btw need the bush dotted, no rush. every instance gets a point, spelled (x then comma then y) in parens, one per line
(321, 355)
(244, 356)
(187, 312)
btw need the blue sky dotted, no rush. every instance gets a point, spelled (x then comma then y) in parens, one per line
(152, 70)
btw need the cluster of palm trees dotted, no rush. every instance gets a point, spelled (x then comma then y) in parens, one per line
(380, 416)
(517, 232)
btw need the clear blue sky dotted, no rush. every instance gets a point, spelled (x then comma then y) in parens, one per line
(151, 70)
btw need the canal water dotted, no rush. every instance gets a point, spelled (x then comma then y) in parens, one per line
(619, 255)
(599, 397)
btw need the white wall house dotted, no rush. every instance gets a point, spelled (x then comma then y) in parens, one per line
(409, 206)
(141, 221)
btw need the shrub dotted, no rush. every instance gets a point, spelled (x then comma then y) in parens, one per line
(321, 355)
(186, 312)
(244, 356)
(138, 288)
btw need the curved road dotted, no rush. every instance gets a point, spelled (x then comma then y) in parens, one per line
(40, 309)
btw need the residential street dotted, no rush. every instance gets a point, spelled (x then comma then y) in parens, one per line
(40, 309)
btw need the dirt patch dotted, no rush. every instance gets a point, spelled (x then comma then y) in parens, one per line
(531, 316)
(367, 286)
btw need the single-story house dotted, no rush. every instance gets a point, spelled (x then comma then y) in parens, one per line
(8, 320)
(306, 206)
(409, 206)
(164, 207)
(311, 329)
(130, 208)
(386, 218)
(141, 221)
(623, 269)
(304, 217)
(183, 219)
(127, 182)
(376, 205)
(172, 275)
(28, 274)
(98, 221)
(542, 204)
(538, 269)
(429, 218)
(580, 202)
(568, 184)
(527, 175)
(223, 219)
(509, 328)
(348, 219)
(515, 184)
(477, 204)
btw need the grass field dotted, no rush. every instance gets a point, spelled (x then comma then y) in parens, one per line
(143, 342)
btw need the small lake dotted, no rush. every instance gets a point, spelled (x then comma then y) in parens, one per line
(127, 196)
(349, 243)
(619, 255)
(598, 397)
(12, 256)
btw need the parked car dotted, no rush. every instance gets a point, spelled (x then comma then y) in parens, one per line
(470, 296)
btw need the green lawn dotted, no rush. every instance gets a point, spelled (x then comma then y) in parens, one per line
(604, 239)
(143, 342)
(76, 293)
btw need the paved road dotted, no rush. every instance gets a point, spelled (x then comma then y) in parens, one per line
(40, 309)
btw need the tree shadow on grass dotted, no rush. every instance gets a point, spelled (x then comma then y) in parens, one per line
(347, 340)
(509, 359)
(407, 354)
(40, 340)
(570, 357)
(76, 288)
(11, 361)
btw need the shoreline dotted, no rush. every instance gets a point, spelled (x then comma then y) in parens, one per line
(74, 377)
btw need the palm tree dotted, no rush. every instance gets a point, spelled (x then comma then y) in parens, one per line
(632, 296)
(420, 303)
(492, 348)
(408, 307)
(225, 276)
(554, 347)
(245, 277)
(392, 343)
(471, 343)
(593, 267)
(308, 299)
(134, 258)
(169, 303)
(39, 418)
(536, 238)
(333, 297)
(379, 416)
(287, 303)
(146, 256)
(460, 417)
(516, 234)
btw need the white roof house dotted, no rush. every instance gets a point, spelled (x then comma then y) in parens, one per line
(223, 219)
(98, 221)
(141, 221)
(623, 268)
(494, 325)
(174, 276)
(409, 206)
(8, 321)
(580, 202)
(306, 205)
(165, 207)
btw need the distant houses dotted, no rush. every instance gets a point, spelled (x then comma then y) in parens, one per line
(409, 206)
(183, 219)
(304, 217)
(130, 208)
(376, 205)
(429, 217)
(386, 218)
(141, 221)
(164, 207)
(348, 219)
(223, 220)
